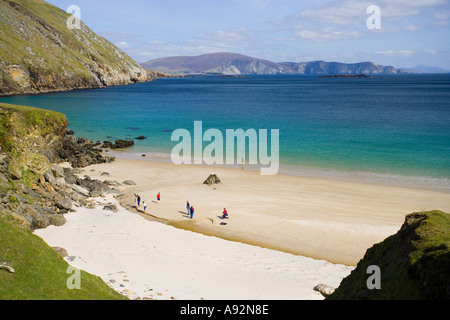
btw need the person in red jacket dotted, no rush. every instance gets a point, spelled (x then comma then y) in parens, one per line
(225, 214)
(158, 196)
(192, 211)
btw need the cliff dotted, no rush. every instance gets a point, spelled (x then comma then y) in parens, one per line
(237, 64)
(34, 188)
(414, 263)
(39, 53)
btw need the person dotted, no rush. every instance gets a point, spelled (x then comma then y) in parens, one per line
(138, 199)
(145, 205)
(225, 214)
(158, 196)
(192, 211)
(188, 207)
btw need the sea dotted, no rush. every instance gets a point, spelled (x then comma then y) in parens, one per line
(385, 129)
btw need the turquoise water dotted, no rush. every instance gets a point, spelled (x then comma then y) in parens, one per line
(394, 127)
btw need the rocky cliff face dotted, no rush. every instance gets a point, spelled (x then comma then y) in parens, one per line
(34, 188)
(39, 53)
(413, 264)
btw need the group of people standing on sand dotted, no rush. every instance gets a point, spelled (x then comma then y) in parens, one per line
(189, 208)
(138, 201)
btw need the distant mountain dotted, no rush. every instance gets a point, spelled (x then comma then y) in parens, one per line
(429, 69)
(224, 62)
(237, 64)
(39, 53)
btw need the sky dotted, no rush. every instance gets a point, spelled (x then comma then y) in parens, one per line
(400, 33)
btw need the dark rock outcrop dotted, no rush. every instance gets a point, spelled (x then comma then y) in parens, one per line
(212, 179)
(414, 264)
(34, 188)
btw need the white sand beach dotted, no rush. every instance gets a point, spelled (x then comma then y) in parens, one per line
(302, 231)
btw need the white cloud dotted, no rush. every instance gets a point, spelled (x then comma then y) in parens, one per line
(327, 34)
(345, 12)
(123, 45)
(399, 53)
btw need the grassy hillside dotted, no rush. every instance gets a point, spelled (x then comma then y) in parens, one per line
(39, 53)
(40, 272)
(414, 263)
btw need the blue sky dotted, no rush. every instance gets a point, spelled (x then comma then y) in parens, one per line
(412, 32)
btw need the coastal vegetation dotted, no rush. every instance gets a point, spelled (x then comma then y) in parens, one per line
(34, 271)
(39, 53)
(36, 192)
(414, 263)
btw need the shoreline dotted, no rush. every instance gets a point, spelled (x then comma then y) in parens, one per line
(330, 220)
(285, 234)
(146, 260)
(363, 177)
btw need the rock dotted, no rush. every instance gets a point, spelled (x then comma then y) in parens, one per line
(120, 144)
(107, 144)
(7, 268)
(111, 207)
(111, 183)
(129, 183)
(57, 220)
(61, 182)
(61, 251)
(105, 174)
(212, 179)
(50, 177)
(64, 203)
(52, 155)
(57, 171)
(80, 190)
(324, 290)
(141, 138)
(95, 188)
(69, 176)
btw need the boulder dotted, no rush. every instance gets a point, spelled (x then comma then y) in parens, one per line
(64, 204)
(57, 220)
(48, 175)
(69, 176)
(111, 207)
(61, 251)
(212, 179)
(129, 183)
(324, 290)
(80, 190)
(120, 144)
(57, 171)
(95, 188)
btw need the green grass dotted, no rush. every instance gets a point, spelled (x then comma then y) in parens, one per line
(48, 121)
(40, 272)
(414, 263)
(35, 116)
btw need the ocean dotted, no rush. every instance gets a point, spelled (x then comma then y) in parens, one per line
(392, 129)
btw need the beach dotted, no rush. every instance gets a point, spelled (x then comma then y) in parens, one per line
(284, 235)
